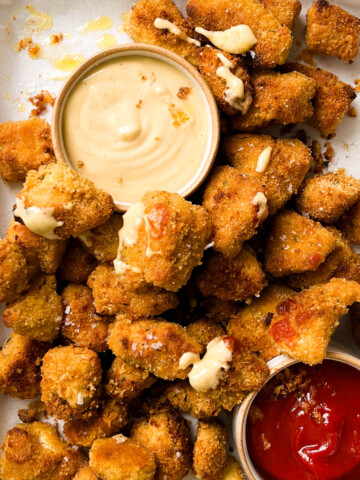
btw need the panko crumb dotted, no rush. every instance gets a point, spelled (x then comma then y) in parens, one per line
(183, 92)
(40, 101)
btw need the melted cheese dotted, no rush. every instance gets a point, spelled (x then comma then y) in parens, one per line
(238, 39)
(132, 220)
(263, 160)
(261, 201)
(163, 24)
(235, 91)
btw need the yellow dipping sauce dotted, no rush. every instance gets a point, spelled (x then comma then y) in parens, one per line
(136, 124)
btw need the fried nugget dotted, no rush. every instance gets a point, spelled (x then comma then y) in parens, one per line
(35, 451)
(296, 244)
(288, 164)
(63, 202)
(331, 30)
(24, 146)
(82, 324)
(37, 313)
(302, 325)
(217, 310)
(204, 330)
(286, 11)
(349, 224)
(250, 324)
(278, 98)
(85, 473)
(232, 470)
(121, 458)
(238, 278)
(20, 359)
(273, 39)
(152, 344)
(167, 435)
(70, 382)
(210, 456)
(77, 263)
(231, 199)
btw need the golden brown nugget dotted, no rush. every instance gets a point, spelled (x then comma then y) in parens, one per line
(238, 278)
(331, 30)
(250, 324)
(332, 99)
(287, 165)
(77, 263)
(204, 330)
(82, 324)
(113, 295)
(302, 325)
(35, 451)
(20, 360)
(296, 244)
(167, 435)
(278, 98)
(208, 62)
(32, 412)
(152, 344)
(85, 473)
(121, 458)
(125, 381)
(273, 39)
(210, 456)
(163, 238)
(110, 419)
(286, 11)
(237, 205)
(71, 204)
(38, 313)
(349, 223)
(233, 470)
(24, 146)
(217, 310)
(70, 382)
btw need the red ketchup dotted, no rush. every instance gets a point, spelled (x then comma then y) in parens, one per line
(312, 432)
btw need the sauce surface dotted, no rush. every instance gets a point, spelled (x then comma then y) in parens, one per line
(312, 433)
(136, 124)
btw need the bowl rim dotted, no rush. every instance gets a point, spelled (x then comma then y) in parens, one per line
(102, 56)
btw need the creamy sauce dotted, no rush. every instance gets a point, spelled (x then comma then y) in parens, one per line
(263, 160)
(261, 201)
(131, 132)
(238, 39)
(38, 220)
(235, 91)
(163, 24)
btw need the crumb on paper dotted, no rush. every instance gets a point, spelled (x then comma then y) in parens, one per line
(157, 139)
(56, 38)
(329, 152)
(138, 105)
(345, 146)
(22, 44)
(120, 180)
(352, 112)
(40, 101)
(34, 51)
(183, 92)
(306, 56)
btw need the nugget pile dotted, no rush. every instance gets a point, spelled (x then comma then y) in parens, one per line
(112, 314)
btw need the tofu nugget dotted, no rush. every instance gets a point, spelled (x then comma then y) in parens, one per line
(233, 471)
(303, 324)
(85, 473)
(278, 98)
(70, 382)
(204, 331)
(296, 244)
(273, 39)
(77, 263)
(331, 30)
(152, 344)
(24, 146)
(121, 458)
(280, 164)
(237, 205)
(35, 451)
(286, 11)
(167, 435)
(210, 456)
(349, 224)
(56, 202)
(38, 313)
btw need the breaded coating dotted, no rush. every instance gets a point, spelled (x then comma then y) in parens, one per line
(70, 382)
(217, 310)
(250, 324)
(296, 244)
(273, 39)
(238, 278)
(277, 98)
(232, 470)
(112, 295)
(32, 412)
(208, 62)
(20, 360)
(24, 146)
(167, 435)
(36, 452)
(229, 198)
(82, 324)
(103, 241)
(204, 330)
(286, 11)
(110, 419)
(332, 98)
(77, 263)
(349, 223)
(47, 254)
(139, 25)
(331, 30)
(121, 458)
(38, 313)
(288, 164)
(152, 344)
(85, 473)
(303, 324)
(171, 236)
(210, 456)
(326, 197)
(125, 381)
(72, 201)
